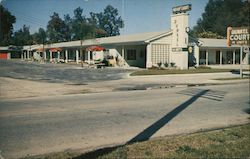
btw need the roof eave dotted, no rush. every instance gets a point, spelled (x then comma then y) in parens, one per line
(158, 37)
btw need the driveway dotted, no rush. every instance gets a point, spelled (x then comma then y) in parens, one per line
(40, 125)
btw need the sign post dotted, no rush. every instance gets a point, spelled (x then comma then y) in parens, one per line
(238, 36)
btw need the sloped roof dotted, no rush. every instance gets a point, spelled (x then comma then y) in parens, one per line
(215, 43)
(134, 38)
(113, 40)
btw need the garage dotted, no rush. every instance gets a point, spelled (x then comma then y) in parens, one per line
(4, 55)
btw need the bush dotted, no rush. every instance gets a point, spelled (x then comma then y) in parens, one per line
(159, 64)
(172, 64)
(166, 64)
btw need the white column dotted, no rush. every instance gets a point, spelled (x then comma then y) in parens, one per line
(22, 55)
(234, 57)
(88, 57)
(77, 56)
(220, 57)
(197, 55)
(50, 56)
(66, 56)
(28, 54)
(123, 52)
(44, 55)
(58, 56)
(148, 57)
(206, 58)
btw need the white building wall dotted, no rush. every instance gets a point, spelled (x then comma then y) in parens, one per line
(211, 57)
(179, 23)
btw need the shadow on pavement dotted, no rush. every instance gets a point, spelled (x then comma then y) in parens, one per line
(238, 72)
(152, 129)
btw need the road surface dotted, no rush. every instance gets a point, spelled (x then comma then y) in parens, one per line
(31, 126)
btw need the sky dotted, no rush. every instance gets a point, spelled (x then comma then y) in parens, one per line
(139, 15)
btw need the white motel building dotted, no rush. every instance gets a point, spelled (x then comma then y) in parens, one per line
(146, 50)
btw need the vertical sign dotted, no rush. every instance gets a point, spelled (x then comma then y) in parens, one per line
(238, 36)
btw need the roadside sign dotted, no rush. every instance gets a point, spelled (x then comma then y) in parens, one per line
(238, 36)
(181, 9)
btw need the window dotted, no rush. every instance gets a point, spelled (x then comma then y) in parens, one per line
(131, 54)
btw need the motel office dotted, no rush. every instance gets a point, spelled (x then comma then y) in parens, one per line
(146, 50)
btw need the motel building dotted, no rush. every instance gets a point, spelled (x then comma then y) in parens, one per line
(143, 50)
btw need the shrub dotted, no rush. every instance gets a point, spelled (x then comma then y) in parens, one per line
(159, 64)
(166, 64)
(172, 64)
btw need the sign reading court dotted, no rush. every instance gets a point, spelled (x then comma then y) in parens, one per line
(238, 36)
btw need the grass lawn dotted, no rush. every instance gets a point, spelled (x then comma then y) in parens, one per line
(175, 71)
(224, 143)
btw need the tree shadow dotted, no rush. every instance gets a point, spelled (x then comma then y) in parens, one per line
(153, 128)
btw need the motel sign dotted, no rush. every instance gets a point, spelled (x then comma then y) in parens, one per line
(238, 36)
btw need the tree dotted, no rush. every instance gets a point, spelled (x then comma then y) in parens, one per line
(22, 37)
(109, 21)
(68, 27)
(40, 36)
(6, 25)
(56, 29)
(81, 29)
(219, 14)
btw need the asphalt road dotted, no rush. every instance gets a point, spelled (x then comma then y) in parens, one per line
(58, 73)
(40, 125)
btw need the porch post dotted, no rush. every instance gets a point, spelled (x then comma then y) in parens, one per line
(58, 56)
(197, 55)
(220, 57)
(206, 57)
(25, 54)
(77, 56)
(50, 55)
(123, 52)
(234, 57)
(88, 57)
(22, 55)
(28, 54)
(44, 54)
(66, 56)
(149, 63)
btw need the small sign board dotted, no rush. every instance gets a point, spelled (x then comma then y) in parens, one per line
(181, 9)
(179, 49)
(238, 36)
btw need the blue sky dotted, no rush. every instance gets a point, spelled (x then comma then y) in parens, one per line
(139, 15)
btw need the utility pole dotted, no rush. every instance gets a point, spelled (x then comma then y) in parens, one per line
(81, 53)
(241, 52)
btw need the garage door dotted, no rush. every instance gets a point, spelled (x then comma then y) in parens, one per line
(3, 55)
(160, 53)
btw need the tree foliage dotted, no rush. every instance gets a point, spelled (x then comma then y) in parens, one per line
(78, 27)
(22, 37)
(56, 28)
(6, 25)
(109, 21)
(219, 14)
(40, 37)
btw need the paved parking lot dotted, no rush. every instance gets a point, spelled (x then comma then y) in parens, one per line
(58, 73)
